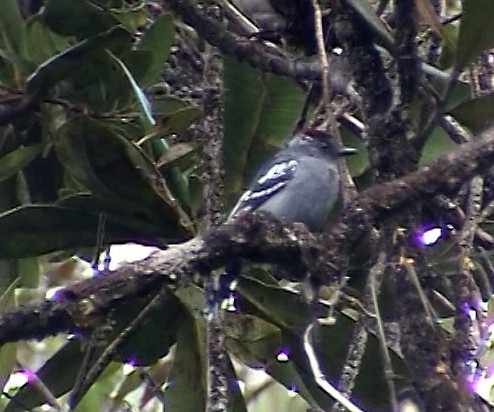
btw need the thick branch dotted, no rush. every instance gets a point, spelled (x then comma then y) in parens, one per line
(443, 176)
(82, 306)
(255, 237)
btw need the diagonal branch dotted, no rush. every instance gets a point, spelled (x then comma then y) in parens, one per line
(256, 237)
(256, 53)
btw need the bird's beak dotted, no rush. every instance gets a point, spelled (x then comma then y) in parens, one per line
(347, 151)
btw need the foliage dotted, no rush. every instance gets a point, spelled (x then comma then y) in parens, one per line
(96, 149)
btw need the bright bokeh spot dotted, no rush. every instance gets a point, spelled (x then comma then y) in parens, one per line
(431, 236)
(292, 391)
(17, 380)
(282, 356)
(129, 252)
(53, 293)
(128, 368)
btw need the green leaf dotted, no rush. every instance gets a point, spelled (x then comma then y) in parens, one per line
(290, 312)
(119, 92)
(101, 390)
(367, 13)
(16, 160)
(179, 120)
(260, 111)
(174, 177)
(437, 144)
(41, 42)
(29, 271)
(133, 17)
(156, 334)
(274, 302)
(12, 27)
(141, 99)
(116, 213)
(7, 299)
(21, 228)
(73, 59)
(176, 153)
(286, 373)
(476, 32)
(282, 106)
(235, 396)
(449, 46)
(359, 162)
(188, 376)
(460, 94)
(103, 87)
(19, 64)
(251, 339)
(476, 114)
(244, 96)
(165, 105)
(151, 341)
(55, 373)
(81, 18)
(158, 39)
(118, 172)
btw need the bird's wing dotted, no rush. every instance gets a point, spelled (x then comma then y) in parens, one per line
(266, 185)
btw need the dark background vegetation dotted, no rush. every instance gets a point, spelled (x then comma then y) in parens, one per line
(135, 121)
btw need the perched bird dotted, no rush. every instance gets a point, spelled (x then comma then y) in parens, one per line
(301, 183)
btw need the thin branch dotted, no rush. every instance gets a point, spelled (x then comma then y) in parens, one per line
(443, 176)
(319, 376)
(467, 294)
(358, 344)
(258, 54)
(387, 364)
(321, 51)
(40, 386)
(110, 351)
(154, 386)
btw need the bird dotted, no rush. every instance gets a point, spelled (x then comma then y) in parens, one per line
(299, 184)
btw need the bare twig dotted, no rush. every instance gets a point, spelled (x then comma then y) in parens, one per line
(467, 294)
(321, 51)
(110, 351)
(40, 386)
(319, 376)
(388, 366)
(358, 344)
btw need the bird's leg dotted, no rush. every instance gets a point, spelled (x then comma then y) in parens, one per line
(220, 296)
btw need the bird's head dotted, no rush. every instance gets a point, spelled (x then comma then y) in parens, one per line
(325, 142)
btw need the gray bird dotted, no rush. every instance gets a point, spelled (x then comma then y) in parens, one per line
(301, 183)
